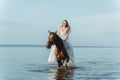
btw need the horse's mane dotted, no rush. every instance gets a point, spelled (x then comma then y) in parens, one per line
(58, 39)
(58, 42)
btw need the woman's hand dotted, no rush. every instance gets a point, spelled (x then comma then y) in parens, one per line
(58, 31)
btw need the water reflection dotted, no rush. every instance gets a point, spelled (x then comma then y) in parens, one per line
(61, 73)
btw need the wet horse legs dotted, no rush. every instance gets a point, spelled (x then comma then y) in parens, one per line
(59, 63)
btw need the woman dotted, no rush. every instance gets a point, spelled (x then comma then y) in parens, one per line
(63, 33)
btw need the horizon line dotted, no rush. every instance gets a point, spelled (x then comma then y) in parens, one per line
(35, 45)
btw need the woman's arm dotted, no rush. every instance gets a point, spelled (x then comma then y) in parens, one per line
(66, 37)
(58, 31)
(67, 34)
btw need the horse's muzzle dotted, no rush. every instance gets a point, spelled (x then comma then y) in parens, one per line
(48, 46)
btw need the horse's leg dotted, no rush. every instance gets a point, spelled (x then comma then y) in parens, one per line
(66, 65)
(58, 61)
(65, 62)
(58, 57)
(61, 63)
(66, 58)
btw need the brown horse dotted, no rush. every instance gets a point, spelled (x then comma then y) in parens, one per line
(61, 53)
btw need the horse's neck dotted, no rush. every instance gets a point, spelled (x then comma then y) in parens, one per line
(59, 45)
(58, 42)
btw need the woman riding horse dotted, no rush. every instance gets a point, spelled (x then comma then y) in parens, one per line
(61, 53)
(63, 32)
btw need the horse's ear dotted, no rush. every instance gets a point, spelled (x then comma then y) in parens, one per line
(49, 31)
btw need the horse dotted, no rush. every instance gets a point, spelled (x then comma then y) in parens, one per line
(61, 53)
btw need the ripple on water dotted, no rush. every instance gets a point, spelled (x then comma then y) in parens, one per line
(61, 73)
(86, 70)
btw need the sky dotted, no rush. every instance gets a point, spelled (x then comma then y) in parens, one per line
(93, 22)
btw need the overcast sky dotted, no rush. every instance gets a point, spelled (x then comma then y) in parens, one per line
(93, 22)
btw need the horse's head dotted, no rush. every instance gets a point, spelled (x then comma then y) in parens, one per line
(51, 39)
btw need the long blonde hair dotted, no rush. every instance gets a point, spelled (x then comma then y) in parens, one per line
(67, 25)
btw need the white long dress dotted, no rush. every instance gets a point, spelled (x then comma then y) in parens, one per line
(68, 48)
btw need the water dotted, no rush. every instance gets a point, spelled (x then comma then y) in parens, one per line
(30, 63)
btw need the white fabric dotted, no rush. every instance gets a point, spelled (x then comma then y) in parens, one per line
(68, 47)
(52, 54)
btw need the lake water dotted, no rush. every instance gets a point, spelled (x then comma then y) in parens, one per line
(30, 63)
